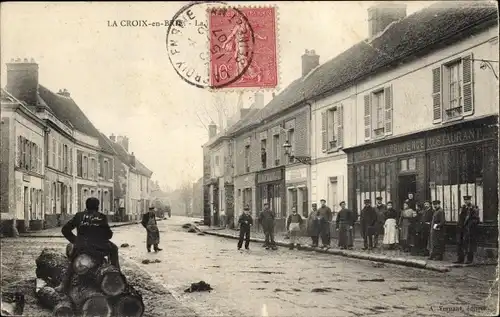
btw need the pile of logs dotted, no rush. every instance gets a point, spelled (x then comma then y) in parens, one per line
(95, 290)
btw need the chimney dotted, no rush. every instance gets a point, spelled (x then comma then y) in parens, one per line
(132, 159)
(112, 137)
(212, 130)
(64, 93)
(382, 14)
(258, 102)
(123, 141)
(309, 61)
(22, 80)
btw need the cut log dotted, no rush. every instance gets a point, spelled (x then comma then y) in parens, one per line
(83, 263)
(129, 303)
(51, 266)
(60, 304)
(88, 300)
(110, 280)
(12, 303)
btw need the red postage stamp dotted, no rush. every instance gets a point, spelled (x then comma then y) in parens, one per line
(243, 51)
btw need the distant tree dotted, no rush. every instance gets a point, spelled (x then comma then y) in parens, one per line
(186, 195)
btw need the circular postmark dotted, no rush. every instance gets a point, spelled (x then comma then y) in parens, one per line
(228, 53)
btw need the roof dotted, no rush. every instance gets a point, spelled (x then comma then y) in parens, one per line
(416, 33)
(124, 156)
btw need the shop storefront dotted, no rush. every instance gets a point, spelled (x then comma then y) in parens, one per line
(244, 190)
(270, 185)
(296, 185)
(445, 164)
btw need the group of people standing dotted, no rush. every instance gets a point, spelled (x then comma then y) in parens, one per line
(416, 228)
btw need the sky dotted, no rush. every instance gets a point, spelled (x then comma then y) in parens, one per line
(122, 79)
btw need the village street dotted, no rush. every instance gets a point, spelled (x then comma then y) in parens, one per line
(261, 282)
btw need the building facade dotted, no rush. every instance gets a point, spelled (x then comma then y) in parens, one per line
(22, 170)
(427, 125)
(132, 180)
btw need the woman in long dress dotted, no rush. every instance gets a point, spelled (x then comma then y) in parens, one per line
(405, 226)
(391, 237)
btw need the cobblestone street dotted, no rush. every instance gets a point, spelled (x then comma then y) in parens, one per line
(260, 282)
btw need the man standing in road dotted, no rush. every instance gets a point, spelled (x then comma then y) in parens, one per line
(326, 219)
(468, 219)
(266, 220)
(424, 229)
(368, 224)
(314, 225)
(153, 234)
(437, 242)
(245, 223)
(381, 210)
(344, 225)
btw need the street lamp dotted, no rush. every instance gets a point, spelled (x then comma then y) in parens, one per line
(301, 159)
(485, 64)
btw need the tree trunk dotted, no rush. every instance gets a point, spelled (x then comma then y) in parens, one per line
(88, 300)
(110, 280)
(128, 304)
(51, 266)
(60, 304)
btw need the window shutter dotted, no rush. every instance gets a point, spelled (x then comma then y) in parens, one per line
(388, 110)
(324, 132)
(368, 125)
(436, 95)
(340, 125)
(467, 90)
(19, 151)
(79, 164)
(40, 160)
(70, 160)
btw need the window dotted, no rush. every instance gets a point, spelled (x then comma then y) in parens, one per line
(92, 168)
(263, 153)
(105, 170)
(70, 200)
(79, 164)
(374, 180)
(378, 113)
(452, 92)
(406, 165)
(65, 158)
(247, 158)
(277, 149)
(20, 152)
(70, 155)
(456, 173)
(59, 156)
(40, 161)
(332, 128)
(27, 159)
(85, 167)
(54, 149)
(217, 161)
(291, 140)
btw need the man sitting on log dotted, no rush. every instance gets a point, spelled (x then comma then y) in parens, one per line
(93, 234)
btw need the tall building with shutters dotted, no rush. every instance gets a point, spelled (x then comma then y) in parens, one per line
(413, 109)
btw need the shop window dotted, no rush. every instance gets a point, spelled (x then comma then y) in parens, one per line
(372, 181)
(454, 174)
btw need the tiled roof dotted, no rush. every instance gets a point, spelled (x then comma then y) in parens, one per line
(67, 110)
(124, 156)
(417, 32)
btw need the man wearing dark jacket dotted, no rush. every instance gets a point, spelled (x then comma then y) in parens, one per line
(152, 233)
(245, 223)
(381, 210)
(92, 235)
(266, 220)
(368, 224)
(468, 219)
(326, 219)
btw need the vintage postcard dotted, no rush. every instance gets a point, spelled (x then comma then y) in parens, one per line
(271, 159)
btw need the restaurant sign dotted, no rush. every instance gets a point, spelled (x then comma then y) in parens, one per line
(296, 174)
(269, 176)
(461, 136)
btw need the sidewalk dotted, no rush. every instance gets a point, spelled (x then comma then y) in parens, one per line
(378, 255)
(56, 232)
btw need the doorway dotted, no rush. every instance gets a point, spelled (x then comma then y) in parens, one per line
(407, 184)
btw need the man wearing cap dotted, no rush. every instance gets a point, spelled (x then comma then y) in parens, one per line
(424, 228)
(314, 225)
(468, 219)
(344, 224)
(368, 223)
(436, 239)
(266, 220)
(381, 210)
(153, 234)
(245, 222)
(326, 219)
